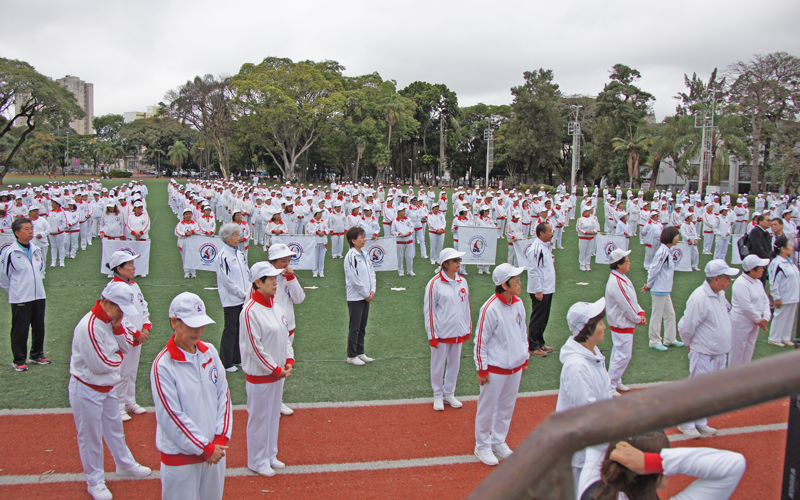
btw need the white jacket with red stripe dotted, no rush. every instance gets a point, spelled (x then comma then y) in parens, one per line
(97, 349)
(501, 337)
(264, 339)
(193, 404)
(290, 292)
(446, 309)
(623, 312)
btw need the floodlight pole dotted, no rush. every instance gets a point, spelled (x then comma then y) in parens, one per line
(707, 139)
(488, 136)
(574, 129)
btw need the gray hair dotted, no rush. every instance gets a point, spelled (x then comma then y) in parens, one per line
(16, 224)
(228, 230)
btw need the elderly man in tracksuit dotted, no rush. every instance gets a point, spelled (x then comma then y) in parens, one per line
(193, 407)
(541, 287)
(436, 226)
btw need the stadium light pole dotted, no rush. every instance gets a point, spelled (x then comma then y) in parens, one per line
(574, 129)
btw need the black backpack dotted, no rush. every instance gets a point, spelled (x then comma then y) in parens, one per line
(744, 250)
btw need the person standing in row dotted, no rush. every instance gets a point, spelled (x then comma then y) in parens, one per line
(359, 278)
(267, 359)
(750, 311)
(233, 286)
(501, 357)
(193, 407)
(759, 241)
(436, 225)
(784, 285)
(541, 287)
(337, 228)
(448, 322)
(41, 230)
(185, 228)
(587, 230)
(403, 229)
(318, 227)
(58, 238)
(660, 277)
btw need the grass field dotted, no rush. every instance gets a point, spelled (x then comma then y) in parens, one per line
(395, 333)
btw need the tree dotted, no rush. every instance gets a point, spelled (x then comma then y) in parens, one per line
(177, 154)
(205, 104)
(633, 146)
(149, 138)
(36, 99)
(106, 127)
(766, 88)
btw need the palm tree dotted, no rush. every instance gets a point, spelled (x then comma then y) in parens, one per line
(394, 107)
(633, 145)
(361, 145)
(177, 154)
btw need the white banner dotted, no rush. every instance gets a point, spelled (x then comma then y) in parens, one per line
(200, 252)
(478, 243)
(607, 243)
(7, 240)
(521, 247)
(141, 248)
(736, 258)
(382, 253)
(682, 256)
(303, 245)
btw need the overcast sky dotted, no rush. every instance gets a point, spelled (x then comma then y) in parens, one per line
(134, 51)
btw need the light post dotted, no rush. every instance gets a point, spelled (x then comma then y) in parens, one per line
(202, 150)
(574, 129)
(412, 171)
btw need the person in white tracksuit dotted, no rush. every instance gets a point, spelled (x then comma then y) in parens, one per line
(59, 239)
(514, 232)
(722, 233)
(709, 219)
(484, 219)
(337, 227)
(650, 235)
(501, 357)
(784, 286)
(750, 310)
(73, 228)
(448, 322)
(643, 463)
(436, 225)
(660, 276)
(706, 329)
(138, 327)
(193, 409)
(689, 235)
(318, 227)
(461, 220)
(99, 344)
(623, 314)
(403, 229)
(267, 359)
(184, 229)
(587, 228)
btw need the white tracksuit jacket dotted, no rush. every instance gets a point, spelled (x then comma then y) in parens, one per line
(193, 404)
(370, 226)
(446, 309)
(111, 225)
(138, 225)
(749, 302)
(313, 225)
(97, 350)
(208, 226)
(289, 293)
(662, 270)
(784, 280)
(706, 323)
(264, 339)
(359, 276)
(623, 312)
(185, 229)
(501, 337)
(20, 277)
(135, 324)
(232, 276)
(541, 272)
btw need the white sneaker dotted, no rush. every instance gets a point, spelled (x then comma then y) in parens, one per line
(268, 472)
(99, 492)
(433, 263)
(411, 273)
(365, 358)
(502, 451)
(615, 393)
(277, 464)
(400, 274)
(135, 409)
(438, 405)
(314, 275)
(186, 276)
(464, 273)
(285, 410)
(355, 361)
(705, 430)
(231, 369)
(321, 275)
(486, 456)
(453, 402)
(689, 432)
(136, 470)
(124, 415)
(622, 387)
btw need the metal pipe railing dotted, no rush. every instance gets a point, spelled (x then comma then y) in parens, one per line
(540, 466)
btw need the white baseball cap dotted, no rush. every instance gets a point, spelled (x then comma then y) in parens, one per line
(261, 269)
(449, 253)
(718, 267)
(279, 251)
(617, 255)
(120, 257)
(190, 309)
(120, 293)
(581, 312)
(505, 272)
(516, 214)
(753, 261)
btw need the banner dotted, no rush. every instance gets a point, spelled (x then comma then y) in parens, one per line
(736, 258)
(682, 256)
(521, 247)
(478, 243)
(607, 243)
(200, 252)
(7, 240)
(303, 245)
(141, 248)
(382, 253)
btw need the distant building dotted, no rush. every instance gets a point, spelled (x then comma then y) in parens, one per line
(84, 95)
(130, 116)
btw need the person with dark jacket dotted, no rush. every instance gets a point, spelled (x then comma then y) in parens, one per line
(759, 241)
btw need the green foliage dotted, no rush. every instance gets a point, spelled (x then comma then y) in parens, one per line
(120, 174)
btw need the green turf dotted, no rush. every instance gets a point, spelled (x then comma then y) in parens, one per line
(395, 333)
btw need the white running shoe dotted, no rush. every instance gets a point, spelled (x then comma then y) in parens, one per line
(622, 387)
(136, 470)
(410, 273)
(355, 361)
(285, 410)
(268, 472)
(433, 263)
(277, 464)
(186, 275)
(135, 409)
(321, 275)
(231, 369)
(438, 405)
(453, 402)
(706, 430)
(365, 358)
(615, 393)
(690, 432)
(501, 451)
(486, 456)
(99, 492)
(124, 415)
(400, 274)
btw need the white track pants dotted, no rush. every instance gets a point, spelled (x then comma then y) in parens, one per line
(449, 354)
(585, 255)
(319, 267)
(501, 232)
(649, 252)
(193, 482)
(73, 244)
(633, 224)
(337, 243)
(662, 309)
(557, 237)
(782, 323)
(85, 234)
(419, 237)
(620, 357)
(126, 388)
(527, 229)
(696, 255)
(641, 240)
(58, 247)
(94, 224)
(512, 256)
(437, 243)
(258, 233)
(495, 409)
(744, 335)
(97, 419)
(721, 249)
(263, 420)
(708, 242)
(700, 364)
(407, 251)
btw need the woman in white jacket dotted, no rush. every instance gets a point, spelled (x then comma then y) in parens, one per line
(359, 279)
(584, 379)
(185, 228)
(267, 359)
(660, 276)
(337, 227)
(749, 310)
(784, 285)
(233, 287)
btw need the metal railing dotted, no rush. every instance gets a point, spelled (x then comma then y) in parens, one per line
(540, 467)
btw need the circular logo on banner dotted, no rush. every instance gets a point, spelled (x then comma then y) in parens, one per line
(609, 247)
(208, 252)
(376, 254)
(127, 250)
(297, 248)
(477, 246)
(677, 255)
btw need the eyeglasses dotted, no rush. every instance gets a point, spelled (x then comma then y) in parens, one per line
(457, 260)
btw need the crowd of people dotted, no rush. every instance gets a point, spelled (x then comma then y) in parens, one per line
(258, 301)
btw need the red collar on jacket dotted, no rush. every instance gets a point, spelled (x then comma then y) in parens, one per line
(117, 278)
(176, 353)
(264, 301)
(100, 313)
(190, 222)
(514, 300)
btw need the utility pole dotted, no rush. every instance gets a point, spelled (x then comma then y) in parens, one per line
(702, 120)
(488, 136)
(574, 129)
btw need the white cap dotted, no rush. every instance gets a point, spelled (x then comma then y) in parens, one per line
(617, 255)
(581, 312)
(485, 207)
(120, 293)
(516, 214)
(280, 251)
(261, 269)
(137, 204)
(622, 214)
(318, 210)
(718, 267)
(190, 309)
(505, 272)
(187, 209)
(120, 257)
(337, 203)
(752, 261)
(449, 253)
